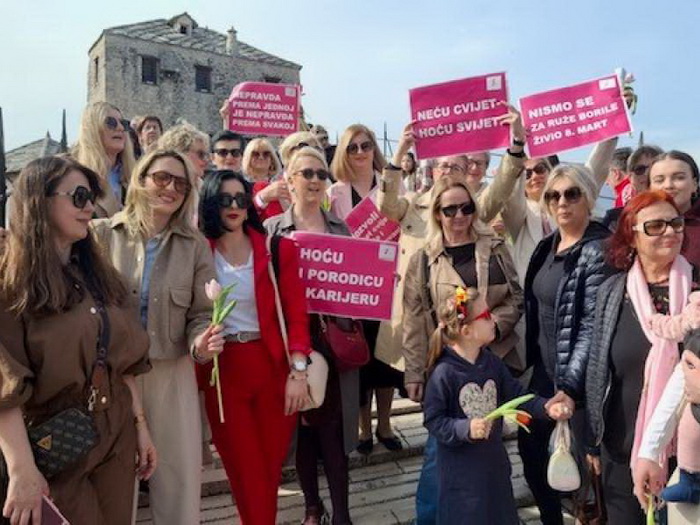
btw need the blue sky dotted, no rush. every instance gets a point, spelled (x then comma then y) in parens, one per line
(361, 57)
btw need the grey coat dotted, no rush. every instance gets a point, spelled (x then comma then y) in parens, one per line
(349, 381)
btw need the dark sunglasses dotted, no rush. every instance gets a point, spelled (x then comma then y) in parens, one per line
(299, 146)
(364, 146)
(486, 314)
(113, 123)
(242, 200)
(657, 227)
(467, 208)
(80, 196)
(308, 174)
(539, 169)
(571, 195)
(223, 152)
(640, 170)
(162, 179)
(263, 154)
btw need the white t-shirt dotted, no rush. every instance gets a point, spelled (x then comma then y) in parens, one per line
(244, 316)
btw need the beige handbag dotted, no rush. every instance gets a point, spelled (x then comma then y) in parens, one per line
(562, 471)
(317, 371)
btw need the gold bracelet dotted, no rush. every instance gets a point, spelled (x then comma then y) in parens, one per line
(139, 418)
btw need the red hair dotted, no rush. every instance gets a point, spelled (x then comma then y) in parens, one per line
(620, 246)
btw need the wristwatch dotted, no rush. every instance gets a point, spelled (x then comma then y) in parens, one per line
(300, 365)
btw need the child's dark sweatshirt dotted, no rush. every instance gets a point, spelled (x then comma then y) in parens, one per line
(473, 476)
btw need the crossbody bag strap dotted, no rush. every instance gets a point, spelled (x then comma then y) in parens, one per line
(427, 296)
(273, 242)
(99, 367)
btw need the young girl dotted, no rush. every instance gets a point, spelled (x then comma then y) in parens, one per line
(467, 382)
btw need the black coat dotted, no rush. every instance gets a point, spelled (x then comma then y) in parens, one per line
(584, 270)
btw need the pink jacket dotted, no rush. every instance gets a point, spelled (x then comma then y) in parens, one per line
(340, 195)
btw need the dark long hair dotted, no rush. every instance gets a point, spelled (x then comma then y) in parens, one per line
(33, 279)
(209, 211)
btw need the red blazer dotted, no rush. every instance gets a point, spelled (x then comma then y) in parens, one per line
(292, 294)
(273, 208)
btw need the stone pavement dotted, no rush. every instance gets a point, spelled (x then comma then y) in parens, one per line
(382, 485)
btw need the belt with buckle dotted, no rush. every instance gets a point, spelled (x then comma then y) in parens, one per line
(242, 337)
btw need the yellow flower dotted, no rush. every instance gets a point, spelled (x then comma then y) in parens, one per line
(460, 295)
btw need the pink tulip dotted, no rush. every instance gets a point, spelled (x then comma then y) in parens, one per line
(212, 289)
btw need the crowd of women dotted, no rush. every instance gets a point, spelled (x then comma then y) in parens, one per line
(502, 288)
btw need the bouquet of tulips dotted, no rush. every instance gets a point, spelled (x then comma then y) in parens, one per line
(218, 295)
(510, 412)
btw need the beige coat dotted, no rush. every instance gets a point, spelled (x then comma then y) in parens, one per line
(412, 211)
(178, 309)
(504, 300)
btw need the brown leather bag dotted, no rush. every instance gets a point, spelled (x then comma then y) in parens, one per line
(590, 511)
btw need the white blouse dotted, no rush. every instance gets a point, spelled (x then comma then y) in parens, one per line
(244, 316)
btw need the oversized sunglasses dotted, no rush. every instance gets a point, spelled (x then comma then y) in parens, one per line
(113, 123)
(309, 174)
(223, 152)
(486, 314)
(640, 170)
(262, 154)
(467, 208)
(571, 195)
(657, 227)
(355, 148)
(80, 196)
(539, 169)
(242, 200)
(162, 179)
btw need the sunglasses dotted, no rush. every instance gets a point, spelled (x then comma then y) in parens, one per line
(486, 314)
(201, 155)
(162, 179)
(113, 123)
(262, 154)
(539, 169)
(467, 208)
(448, 168)
(308, 174)
(640, 170)
(355, 148)
(223, 152)
(80, 196)
(299, 146)
(657, 227)
(571, 195)
(242, 200)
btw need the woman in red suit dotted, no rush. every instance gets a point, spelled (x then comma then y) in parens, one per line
(261, 389)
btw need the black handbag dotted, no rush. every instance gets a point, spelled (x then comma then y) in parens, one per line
(65, 438)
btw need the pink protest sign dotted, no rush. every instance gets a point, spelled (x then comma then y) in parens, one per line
(367, 222)
(459, 116)
(574, 116)
(346, 276)
(260, 108)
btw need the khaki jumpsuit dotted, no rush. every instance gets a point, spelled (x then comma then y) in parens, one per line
(45, 367)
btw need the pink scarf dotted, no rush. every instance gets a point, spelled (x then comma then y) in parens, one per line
(663, 355)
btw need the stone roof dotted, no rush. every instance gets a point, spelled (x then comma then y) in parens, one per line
(161, 31)
(18, 158)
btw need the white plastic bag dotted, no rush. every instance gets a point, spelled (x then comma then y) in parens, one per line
(562, 471)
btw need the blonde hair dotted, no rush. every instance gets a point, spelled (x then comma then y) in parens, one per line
(441, 187)
(581, 176)
(340, 166)
(449, 324)
(138, 209)
(181, 137)
(305, 152)
(89, 149)
(285, 149)
(253, 145)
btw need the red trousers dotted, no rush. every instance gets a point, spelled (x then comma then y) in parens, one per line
(254, 439)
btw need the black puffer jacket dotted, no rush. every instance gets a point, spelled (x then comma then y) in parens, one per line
(584, 270)
(598, 372)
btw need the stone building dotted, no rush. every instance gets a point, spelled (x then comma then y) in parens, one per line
(177, 69)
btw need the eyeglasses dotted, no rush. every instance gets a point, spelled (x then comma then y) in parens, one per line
(447, 167)
(262, 154)
(539, 169)
(481, 164)
(162, 179)
(467, 208)
(571, 195)
(640, 170)
(355, 148)
(486, 314)
(113, 123)
(308, 174)
(657, 227)
(242, 200)
(223, 152)
(81, 196)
